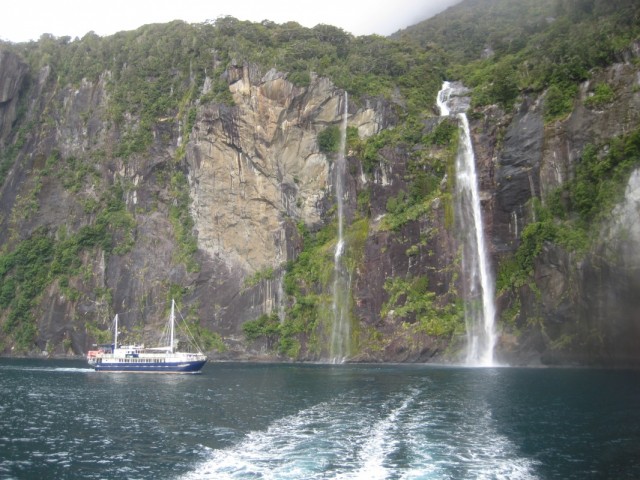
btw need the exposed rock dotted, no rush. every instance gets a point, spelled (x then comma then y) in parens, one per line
(12, 75)
(258, 163)
(459, 100)
(255, 171)
(517, 177)
(585, 307)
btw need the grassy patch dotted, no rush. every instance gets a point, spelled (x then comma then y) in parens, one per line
(411, 300)
(182, 221)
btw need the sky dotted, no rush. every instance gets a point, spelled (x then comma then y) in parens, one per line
(24, 20)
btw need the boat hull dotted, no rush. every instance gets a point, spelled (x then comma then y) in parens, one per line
(153, 367)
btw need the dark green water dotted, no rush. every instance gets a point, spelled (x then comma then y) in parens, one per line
(59, 419)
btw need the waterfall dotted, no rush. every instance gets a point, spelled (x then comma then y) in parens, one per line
(340, 330)
(480, 310)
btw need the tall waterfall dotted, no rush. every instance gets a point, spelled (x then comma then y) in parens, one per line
(480, 310)
(341, 329)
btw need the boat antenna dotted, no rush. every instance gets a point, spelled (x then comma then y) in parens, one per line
(173, 303)
(115, 336)
(184, 326)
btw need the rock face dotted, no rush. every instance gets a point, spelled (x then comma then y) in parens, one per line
(423, 249)
(254, 165)
(517, 175)
(257, 164)
(255, 169)
(582, 309)
(12, 74)
(214, 207)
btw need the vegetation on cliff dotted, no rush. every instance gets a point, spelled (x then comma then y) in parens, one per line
(43, 258)
(160, 72)
(154, 69)
(159, 76)
(573, 210)
(501, 48)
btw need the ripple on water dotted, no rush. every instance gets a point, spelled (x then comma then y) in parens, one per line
(315, 422)
(396, 440)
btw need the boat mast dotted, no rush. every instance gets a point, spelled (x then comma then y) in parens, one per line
(115, 339)
(172, 322)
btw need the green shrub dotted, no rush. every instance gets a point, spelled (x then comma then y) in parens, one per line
(329, 139)
(444, 133)
(300, 78)
(601, 176)
(602, 94)
(264, 326)
(364, 202)
(371, 146)
(260, 276)
(182, 221)
(558, 101)
(24, 274)
(411, 300)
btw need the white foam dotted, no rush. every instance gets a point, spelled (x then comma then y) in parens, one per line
(347, 440)
(290, 448)
(47, 369)
(381, 443)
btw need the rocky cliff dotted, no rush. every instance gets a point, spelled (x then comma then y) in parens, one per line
(208, 214)
(577, 305)
(12, 73)
(126, 181)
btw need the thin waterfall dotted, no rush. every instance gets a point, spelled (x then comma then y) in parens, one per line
(480, 310)
(341, 329)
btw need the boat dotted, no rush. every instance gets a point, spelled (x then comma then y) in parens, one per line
(137, 358)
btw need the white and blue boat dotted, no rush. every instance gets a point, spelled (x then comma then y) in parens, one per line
(140, 359)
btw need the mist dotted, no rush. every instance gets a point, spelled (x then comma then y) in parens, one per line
(410, 13)
(29, 19)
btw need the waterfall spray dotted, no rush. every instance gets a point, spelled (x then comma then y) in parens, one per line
(480, 311)
(341, 331)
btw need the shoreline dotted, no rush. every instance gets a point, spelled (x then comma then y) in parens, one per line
(275, 361)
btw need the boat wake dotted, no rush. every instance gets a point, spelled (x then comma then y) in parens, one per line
(46, 369)
(406, 438)
(74, 370)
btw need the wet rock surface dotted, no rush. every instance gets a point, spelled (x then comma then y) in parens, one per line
(254, 172)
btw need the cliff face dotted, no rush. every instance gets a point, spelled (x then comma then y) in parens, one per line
(579, 307)
(235, 185)
(230, 207)
(603, 284)
(12, 74)
(255, 170)
(254, 165)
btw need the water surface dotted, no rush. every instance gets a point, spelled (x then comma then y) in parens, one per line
(59, 419)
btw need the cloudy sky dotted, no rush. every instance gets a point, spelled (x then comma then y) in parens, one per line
(23, 20)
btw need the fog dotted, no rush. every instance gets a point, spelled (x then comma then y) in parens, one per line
(28, 19)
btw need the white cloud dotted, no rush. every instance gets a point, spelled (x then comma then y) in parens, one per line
(24, 20)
